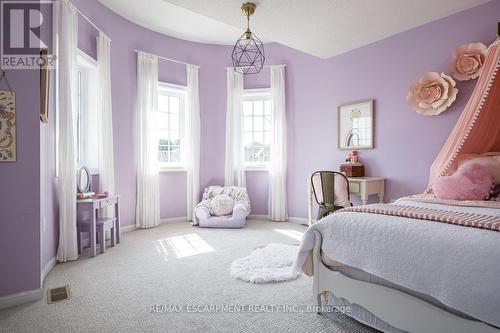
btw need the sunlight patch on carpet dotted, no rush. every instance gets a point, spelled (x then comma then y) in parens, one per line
(184, 245)
(291, 233)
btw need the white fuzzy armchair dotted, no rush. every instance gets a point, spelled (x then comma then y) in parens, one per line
(204, 211)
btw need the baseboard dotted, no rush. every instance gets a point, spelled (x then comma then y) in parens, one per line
(20, 298)
(46, 269)
(128, 228)
(174, 220)
(132, 227)
(298, 220)
(257, 217)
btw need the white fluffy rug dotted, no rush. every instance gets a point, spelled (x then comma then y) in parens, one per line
(272, 263)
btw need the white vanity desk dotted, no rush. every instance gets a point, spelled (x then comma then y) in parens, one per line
(360, 186)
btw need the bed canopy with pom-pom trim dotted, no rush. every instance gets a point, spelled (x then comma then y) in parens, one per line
(478, 129)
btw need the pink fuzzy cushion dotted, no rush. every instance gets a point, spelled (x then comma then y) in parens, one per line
(469, 182)
(489, 160)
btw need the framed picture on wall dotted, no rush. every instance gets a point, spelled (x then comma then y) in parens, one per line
(8, 149)
(44, 87)
(355, 125)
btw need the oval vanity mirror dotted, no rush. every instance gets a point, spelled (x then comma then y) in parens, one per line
(83, 179)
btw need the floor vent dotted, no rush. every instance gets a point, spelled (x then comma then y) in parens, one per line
(58, 294)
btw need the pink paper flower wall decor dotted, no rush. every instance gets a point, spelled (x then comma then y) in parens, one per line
(467, 61)
(432, 93)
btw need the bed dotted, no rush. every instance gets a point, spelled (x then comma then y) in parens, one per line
(400, 274)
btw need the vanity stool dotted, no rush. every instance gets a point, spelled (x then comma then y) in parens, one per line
(102, 225)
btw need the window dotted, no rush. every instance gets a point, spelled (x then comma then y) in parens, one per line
(171, 125)
(86, 115)
(257, 120)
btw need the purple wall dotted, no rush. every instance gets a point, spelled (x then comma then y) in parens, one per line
(20, 192)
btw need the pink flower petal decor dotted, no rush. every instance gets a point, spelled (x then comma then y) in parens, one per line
(467, 61)
(432, 94)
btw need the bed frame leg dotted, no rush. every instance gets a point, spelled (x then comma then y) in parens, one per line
(316, 263)
(318, 304)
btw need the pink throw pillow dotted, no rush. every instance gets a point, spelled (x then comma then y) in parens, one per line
(469, 182)
(490, 160)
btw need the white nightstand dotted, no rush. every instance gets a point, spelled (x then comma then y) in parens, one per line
(366, 186)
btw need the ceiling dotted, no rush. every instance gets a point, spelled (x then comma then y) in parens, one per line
(175, 21)
(323, 28)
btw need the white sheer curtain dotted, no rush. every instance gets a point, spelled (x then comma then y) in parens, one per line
(105, 120)
(277, 208)
(68, 34)
(193, 130)
(234, 169)
(148, 192)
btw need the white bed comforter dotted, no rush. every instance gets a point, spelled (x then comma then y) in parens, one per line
(459, 266)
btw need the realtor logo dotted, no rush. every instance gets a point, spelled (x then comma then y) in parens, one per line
(26, 31)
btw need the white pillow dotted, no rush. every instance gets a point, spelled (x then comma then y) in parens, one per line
(222, 204)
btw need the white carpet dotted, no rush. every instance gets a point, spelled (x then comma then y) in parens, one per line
(272, 263)
(168, 265)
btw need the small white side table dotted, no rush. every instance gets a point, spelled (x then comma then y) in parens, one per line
(366, 186)
(362, 186)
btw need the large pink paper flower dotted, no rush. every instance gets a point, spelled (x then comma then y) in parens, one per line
(432, 93)
(467, 61)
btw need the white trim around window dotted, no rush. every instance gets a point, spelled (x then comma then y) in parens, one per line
(174, 90)
(255, 95)
(86, 116)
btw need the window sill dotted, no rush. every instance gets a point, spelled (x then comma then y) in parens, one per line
(257, 168)
(94, 172)
(173, 169)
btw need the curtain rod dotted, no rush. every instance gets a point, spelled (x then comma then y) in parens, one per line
(88, 20)
(265, 66)
(168, 59)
